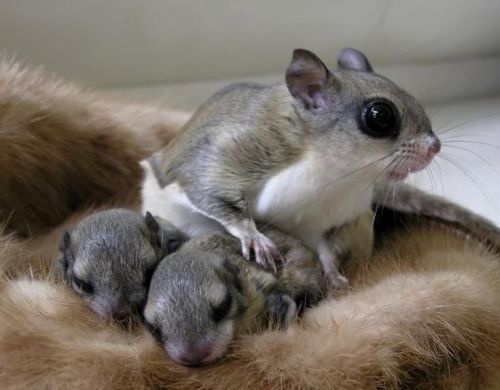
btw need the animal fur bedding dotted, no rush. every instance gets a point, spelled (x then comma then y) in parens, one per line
(422, 313)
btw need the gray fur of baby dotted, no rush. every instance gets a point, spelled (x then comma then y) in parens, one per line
(193, 295)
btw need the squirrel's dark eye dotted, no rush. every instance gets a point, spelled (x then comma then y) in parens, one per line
(86, 287)
(220, 311)
(379, 118)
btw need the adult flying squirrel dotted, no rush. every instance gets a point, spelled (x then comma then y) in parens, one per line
(303, 155)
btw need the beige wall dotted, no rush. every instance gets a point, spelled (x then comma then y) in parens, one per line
(127, 42)
(439, 50)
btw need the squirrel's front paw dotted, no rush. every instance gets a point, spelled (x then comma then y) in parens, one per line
(336, 280)
(263, 248)
(281, 309)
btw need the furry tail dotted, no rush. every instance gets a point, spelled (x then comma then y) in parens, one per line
(406, 199)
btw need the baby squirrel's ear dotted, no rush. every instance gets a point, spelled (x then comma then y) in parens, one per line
(352, 59)
(154, 228)
(307, 79)
(167, 240)
(64, 243)
(61, 266)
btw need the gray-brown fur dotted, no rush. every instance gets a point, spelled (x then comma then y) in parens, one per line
(110, 256)
(64, 149)
(247, 134)
(189, 288)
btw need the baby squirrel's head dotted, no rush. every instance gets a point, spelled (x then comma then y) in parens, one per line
(110, 256)
(194, 299)
(353, 112)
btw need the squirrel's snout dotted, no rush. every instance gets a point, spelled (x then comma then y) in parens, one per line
(433, 146)
(193, 356)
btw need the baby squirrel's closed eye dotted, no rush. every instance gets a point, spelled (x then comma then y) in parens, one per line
(221, 310)
(84, 287)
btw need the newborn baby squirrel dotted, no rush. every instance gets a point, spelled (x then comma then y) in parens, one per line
(110, 256)
(303, 155)
(205, 293)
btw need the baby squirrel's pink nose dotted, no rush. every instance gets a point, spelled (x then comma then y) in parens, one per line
(433, 146)
(193, 356)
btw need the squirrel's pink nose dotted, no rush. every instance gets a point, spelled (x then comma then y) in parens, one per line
(433, 146)
(193, 356)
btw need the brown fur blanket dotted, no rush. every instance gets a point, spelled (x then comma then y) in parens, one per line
(422, 313)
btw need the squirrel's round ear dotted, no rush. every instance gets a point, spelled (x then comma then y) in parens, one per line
(154, 228)
(307, 79)
(64, 243)
(352, 59)
(151, 223)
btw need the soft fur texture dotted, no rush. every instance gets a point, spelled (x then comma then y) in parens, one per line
(63, 148)
(423, 313)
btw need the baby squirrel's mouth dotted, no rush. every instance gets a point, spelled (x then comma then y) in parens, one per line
(414, 158)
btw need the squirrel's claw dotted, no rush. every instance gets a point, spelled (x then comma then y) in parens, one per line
(266, 253)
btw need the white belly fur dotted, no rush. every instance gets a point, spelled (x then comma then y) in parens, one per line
(172, 204)
(307, 199)
(300, 200)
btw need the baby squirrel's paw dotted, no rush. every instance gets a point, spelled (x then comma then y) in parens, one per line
(281, 309)
(337, 281)
(263, 248)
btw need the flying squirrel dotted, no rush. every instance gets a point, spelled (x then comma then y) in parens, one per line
(303, 155)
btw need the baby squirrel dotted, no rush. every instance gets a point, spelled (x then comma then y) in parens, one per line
(110, 256)
(205, 293)
(303, 155)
